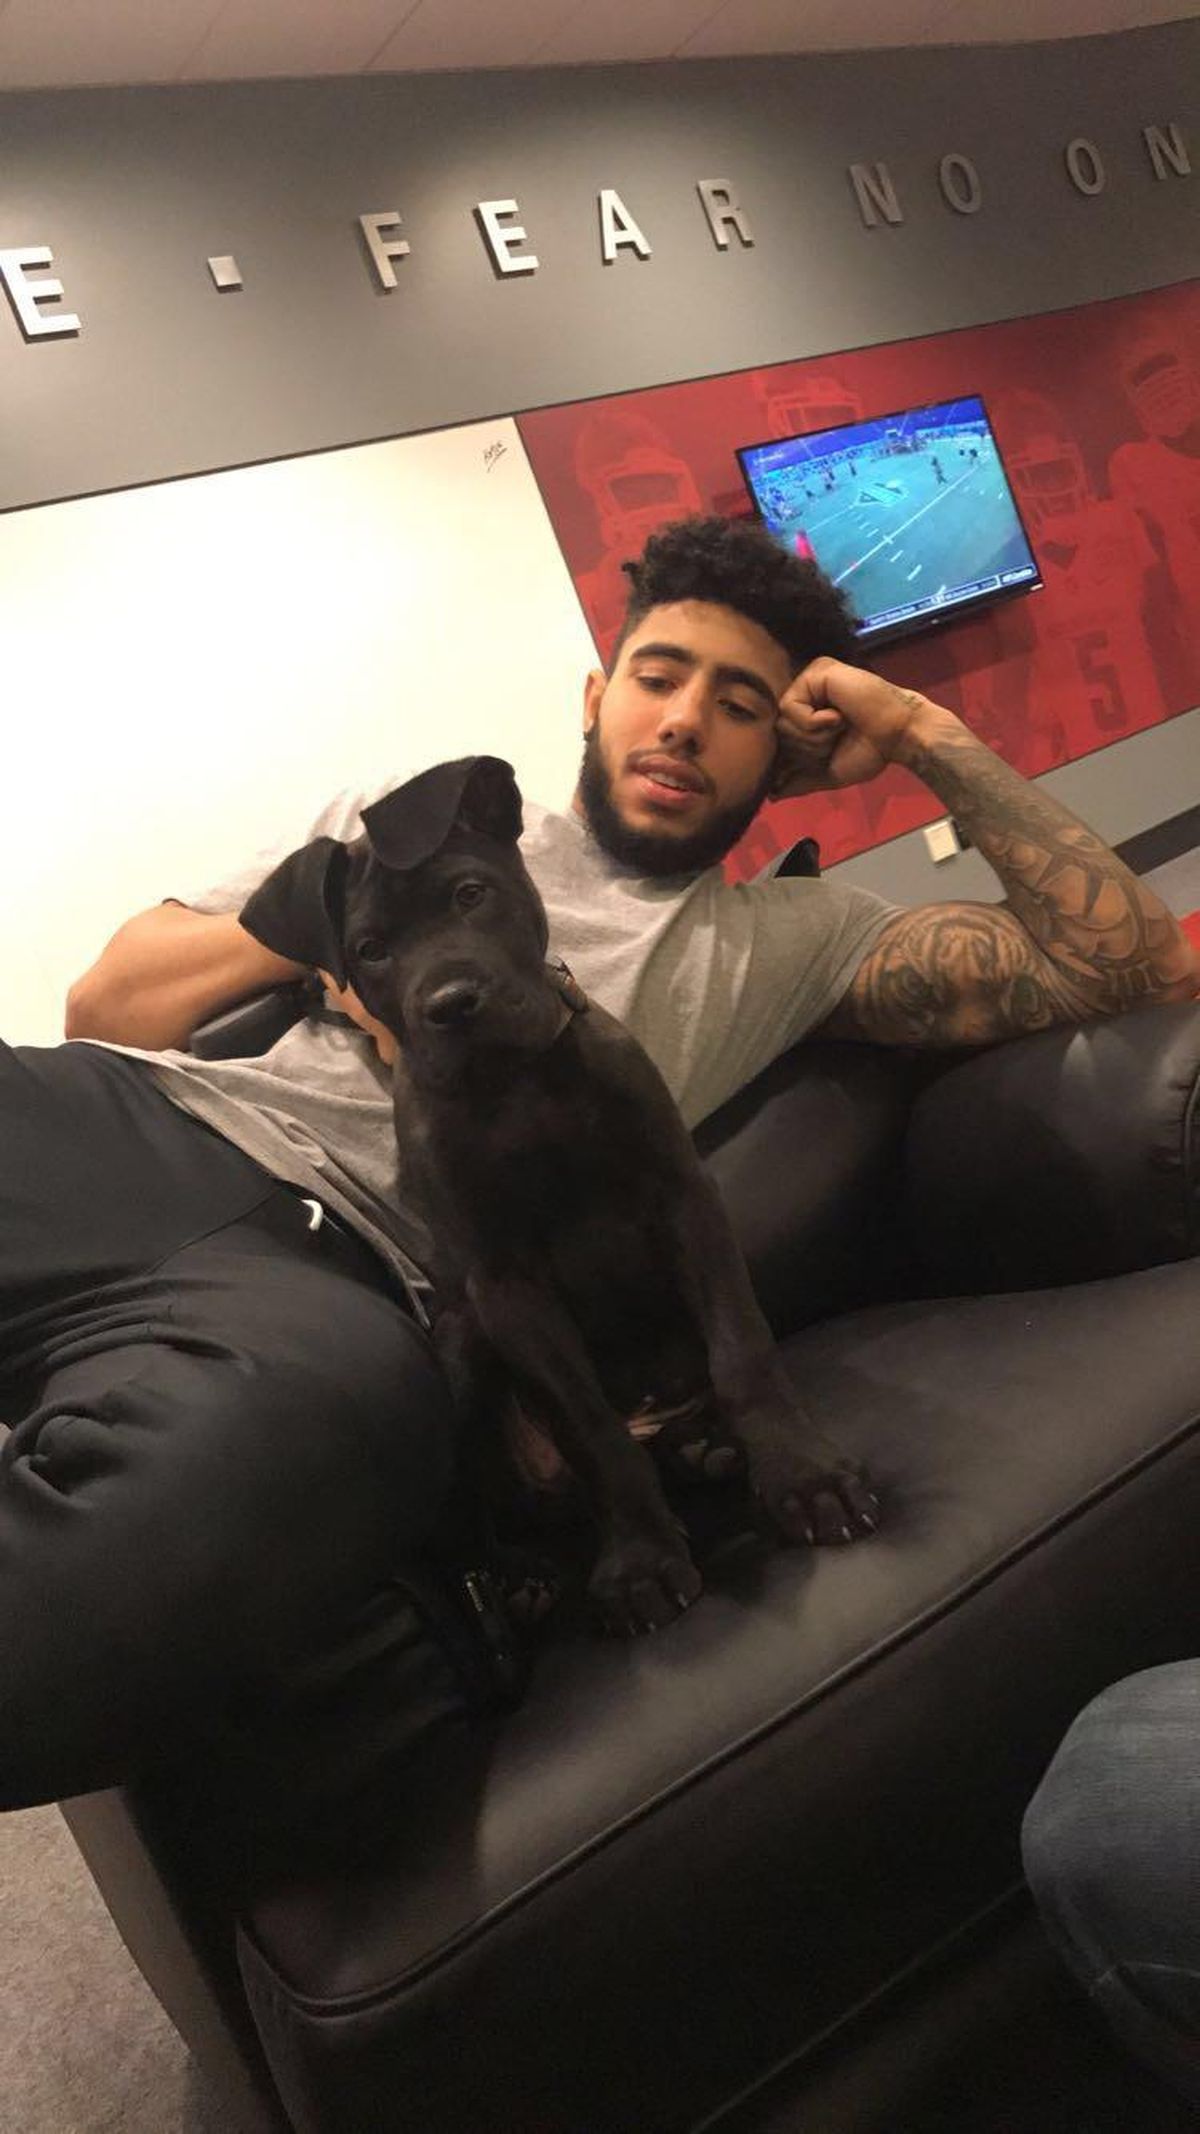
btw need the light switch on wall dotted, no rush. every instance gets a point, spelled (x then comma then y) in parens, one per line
(941, 840)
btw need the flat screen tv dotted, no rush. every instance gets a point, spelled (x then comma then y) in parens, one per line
(911, 514)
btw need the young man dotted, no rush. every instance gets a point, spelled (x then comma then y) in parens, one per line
(210, 1471)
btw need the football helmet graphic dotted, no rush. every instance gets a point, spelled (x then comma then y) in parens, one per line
(1045, 463)
(1161, 380)
(811, 400)
(635, 479)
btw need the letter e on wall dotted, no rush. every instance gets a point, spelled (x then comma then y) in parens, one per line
(16, 264)
(502, 241)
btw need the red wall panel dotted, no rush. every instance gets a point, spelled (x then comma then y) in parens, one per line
(1097, 415)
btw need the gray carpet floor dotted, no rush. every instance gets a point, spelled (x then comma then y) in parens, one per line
(84, 2046)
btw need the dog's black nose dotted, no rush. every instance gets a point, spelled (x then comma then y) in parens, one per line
(457, 1001)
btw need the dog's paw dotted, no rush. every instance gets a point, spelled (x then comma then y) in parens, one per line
(825, 1505)
(642, 1584)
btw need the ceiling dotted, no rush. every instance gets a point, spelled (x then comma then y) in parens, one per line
(53, 43)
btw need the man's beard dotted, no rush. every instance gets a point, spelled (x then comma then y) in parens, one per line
(654, 852)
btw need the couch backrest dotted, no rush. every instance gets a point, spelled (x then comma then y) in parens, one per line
(808, 1160)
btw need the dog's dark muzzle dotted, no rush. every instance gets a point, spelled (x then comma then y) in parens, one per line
(455, 1004)
(476, 1006)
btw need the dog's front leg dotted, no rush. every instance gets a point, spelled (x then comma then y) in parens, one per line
(643, 1575)
(808, 1490)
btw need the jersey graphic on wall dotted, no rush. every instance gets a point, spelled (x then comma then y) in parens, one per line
(1157, 473)
(1093, 658)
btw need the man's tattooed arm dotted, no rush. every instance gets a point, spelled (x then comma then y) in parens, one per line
(1078, 936)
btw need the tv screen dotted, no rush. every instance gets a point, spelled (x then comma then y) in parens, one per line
(910, 514)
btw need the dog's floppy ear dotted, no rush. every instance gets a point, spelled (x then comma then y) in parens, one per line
(491, 800)
(477, 793)
(299, 910)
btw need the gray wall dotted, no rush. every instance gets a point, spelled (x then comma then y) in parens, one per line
(134, 189)
(1119, 791)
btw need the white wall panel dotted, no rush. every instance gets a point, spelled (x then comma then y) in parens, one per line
(191, 670)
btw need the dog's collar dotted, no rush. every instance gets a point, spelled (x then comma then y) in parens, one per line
(566, 985)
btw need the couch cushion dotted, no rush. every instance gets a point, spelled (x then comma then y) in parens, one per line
(686, 1856)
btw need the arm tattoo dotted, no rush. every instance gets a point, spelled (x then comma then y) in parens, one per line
(950, 974)
(1077, 937)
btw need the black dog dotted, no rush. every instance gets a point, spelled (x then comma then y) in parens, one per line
(577, 1239)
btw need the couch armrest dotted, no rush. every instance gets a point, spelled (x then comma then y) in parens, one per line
(252, 1026)
(1066, 1156)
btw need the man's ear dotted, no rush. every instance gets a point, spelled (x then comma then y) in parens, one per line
(593, 690)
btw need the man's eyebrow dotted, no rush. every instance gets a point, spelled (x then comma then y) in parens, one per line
(723, 673)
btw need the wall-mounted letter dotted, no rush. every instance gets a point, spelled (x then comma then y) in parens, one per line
(960, 184)
(383, 250)
(720, 204)
(1167, 146)
(873, 185)
(617, 227)
(1086, 165)
(501, 242)
(25, 296)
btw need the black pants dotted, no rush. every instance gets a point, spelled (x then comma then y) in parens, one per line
(225, 1428)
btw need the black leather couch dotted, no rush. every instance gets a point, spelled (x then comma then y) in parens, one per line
(684, 1862)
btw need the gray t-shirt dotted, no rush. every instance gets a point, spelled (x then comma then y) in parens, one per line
(715, 978)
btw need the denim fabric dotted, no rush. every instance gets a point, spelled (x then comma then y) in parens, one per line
(1111, 1844)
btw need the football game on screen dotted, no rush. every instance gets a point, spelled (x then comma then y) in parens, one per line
(912, 514)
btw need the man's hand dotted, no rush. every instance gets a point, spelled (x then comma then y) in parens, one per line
(840, 726)
(346, 999)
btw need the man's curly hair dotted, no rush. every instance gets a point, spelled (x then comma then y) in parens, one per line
(737, 564)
